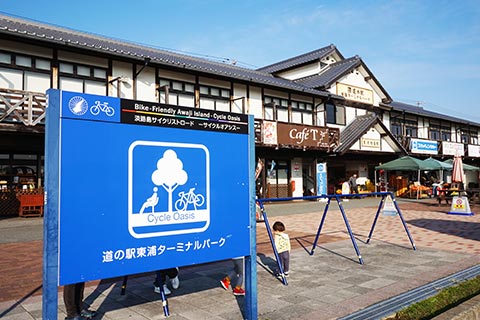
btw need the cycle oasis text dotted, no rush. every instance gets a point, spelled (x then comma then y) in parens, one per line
(166, 217)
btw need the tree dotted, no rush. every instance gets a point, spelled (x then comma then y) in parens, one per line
(169, 174)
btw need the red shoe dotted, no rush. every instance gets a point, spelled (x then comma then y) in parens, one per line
(225, 282)
(238, 291)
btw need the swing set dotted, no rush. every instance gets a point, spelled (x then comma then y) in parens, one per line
(381, 206)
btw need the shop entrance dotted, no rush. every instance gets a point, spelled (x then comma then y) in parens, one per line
(308, 177)
(278, 175)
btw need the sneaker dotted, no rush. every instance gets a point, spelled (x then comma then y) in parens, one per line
(286, 274)
(88, 313)
(165, 290)
(175, 283)
(238, 291)
(225, 283)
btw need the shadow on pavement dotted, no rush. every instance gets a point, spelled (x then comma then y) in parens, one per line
(20, 301)
(464, 229)
(139, 288)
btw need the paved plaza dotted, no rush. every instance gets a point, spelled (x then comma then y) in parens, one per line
(329, 284)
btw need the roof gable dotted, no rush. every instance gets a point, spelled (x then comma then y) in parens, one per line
(358, 127)
(301, 60)
(339, 70)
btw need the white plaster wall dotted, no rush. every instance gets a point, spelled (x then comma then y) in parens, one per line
(301, 72)
(36, 82)
(145, 85)
(124, 70)
(239, 91)
(11, 79)
(254, 105)
(385, 146)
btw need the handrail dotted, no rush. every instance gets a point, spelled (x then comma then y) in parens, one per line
(20, 106)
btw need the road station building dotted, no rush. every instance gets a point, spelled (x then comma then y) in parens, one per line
(319, 116)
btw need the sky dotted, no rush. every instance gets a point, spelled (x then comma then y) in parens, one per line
(424, 53)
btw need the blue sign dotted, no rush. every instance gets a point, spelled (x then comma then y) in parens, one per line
(322, 179)
(424, 146)
(141, 186)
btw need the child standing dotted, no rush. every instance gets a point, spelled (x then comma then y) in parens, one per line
(282, 243)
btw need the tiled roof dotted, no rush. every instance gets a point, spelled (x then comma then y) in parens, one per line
(408, 108)
(334, 72)
(300, 60)
(66, 37)
(358, 127)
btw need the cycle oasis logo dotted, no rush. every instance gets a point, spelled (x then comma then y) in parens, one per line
(168, 188)
(79, 106)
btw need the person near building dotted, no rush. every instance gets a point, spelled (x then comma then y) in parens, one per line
(73, 299)
(353, 184)
(161, 278)
(236, 272)
(282, 244)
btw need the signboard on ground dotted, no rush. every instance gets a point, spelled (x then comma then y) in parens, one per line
(460, 206)
(141, 186)
(389, 208)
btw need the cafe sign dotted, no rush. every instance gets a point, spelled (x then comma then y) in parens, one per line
(302, 136)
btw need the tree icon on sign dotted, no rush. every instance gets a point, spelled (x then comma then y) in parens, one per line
(169, 174)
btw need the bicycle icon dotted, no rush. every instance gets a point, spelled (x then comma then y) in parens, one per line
(188, 198)
(104, 107)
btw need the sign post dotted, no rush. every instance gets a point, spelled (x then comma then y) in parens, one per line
(135, 186)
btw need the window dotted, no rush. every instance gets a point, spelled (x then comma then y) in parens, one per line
(302, 112)
(5, 58)
(83, 78)
(435, 132)
(23, 61)
(42, 64)
(214, 98)
(82, 71)
(446, 133)
(469, 136)
(275, 109)
(411, 128)
(396, 129)
(180, 93)
(335, 114)
(22, 72)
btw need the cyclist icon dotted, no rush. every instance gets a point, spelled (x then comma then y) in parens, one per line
(188, 198)
(104, 107)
